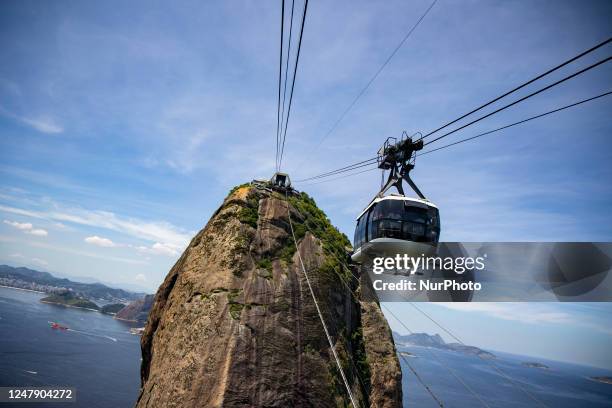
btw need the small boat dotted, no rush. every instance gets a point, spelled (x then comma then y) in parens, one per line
(57, 326)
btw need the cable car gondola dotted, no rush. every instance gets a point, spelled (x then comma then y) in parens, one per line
(396, 224)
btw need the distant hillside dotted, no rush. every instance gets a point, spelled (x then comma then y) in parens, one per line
(68, 298)
(137, 311)
(435, 341)
(26, 278)
(112, 308)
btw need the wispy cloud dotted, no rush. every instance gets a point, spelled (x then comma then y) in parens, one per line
(27, 228)
(24, 226)
(157, 248)
(34, 261)
(38, 244)
(531, 313)
(42, 123)
(156, 231)
(525, 313)
(40, 262)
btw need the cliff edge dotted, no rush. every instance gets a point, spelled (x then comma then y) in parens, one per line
(234, 323)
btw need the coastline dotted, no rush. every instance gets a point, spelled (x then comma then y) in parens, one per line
(25, 290)
(74, 307)
(601, 379)
(125, 320)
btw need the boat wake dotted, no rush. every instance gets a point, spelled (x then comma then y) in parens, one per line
(93, 334)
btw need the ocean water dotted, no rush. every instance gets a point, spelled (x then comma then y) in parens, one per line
(562, 385)
(101, 359)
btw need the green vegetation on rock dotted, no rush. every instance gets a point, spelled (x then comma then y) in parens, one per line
(265, 264)
(363, 367)
(334, 242)
(249, 214)
(238, 187)
(235, 309)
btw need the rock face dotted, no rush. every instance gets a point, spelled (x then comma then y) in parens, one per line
(234, 323)
(137, 311)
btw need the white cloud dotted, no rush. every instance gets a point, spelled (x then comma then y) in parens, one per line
(160, 248)
(140, 277)
(155, 231)
(38, 232)
(165, 249)
(525, 313)
(532, 313)
(17, 255)
(40, 262)
(27, 227)
(68, 250)
(99, 241)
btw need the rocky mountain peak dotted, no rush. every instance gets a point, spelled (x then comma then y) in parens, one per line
(234, 323)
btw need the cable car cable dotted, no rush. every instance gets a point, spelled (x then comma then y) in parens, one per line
(297, 60)
(341, 177)
(280, 74)
(467, 387)
(411, 368)
(449, 333)
(418, 377)
(354, 295)
(329, 340)
(350, 168)
(450, 370)
(500, 97)
(582, 71)
(287, 64)
(341, 168)
(522, 86)
(515, 123)
(365, 88)
(354, 166)
(495, 366)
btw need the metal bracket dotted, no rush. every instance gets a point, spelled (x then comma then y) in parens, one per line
(399, 158)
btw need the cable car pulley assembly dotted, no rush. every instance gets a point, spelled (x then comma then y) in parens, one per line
(396, 224)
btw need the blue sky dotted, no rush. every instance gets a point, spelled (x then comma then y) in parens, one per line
(123, 125)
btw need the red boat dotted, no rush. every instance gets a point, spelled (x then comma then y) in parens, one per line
(57, 326)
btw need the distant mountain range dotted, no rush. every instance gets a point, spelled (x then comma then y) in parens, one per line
(436, 341)
(26, 278)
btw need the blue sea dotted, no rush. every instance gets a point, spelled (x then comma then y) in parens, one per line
(101, 359)
(562, 385)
